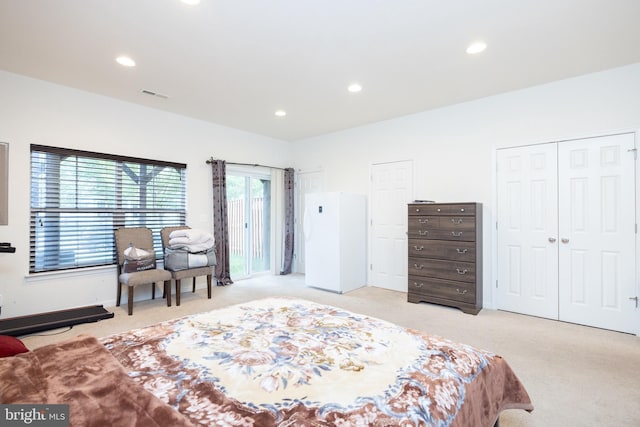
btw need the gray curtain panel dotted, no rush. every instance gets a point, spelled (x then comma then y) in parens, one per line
(288, 221)
(220, 223)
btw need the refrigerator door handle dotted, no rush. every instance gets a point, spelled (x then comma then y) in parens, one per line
(306, 225)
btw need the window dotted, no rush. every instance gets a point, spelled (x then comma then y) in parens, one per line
(79, 198)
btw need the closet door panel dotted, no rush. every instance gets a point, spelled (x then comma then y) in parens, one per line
(597, 232)
(527, 230)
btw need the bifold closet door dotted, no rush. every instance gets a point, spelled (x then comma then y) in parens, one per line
(566, 231)
(597, 232)
(528, 230)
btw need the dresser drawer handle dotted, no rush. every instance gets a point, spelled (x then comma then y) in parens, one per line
(418, 267)
(461, 292)
(418, 248)
(418, 285)
(423, 220)
(461, 251)
(457, 221)
(461, 271)
(461, 209)
(417, 209)
(458, 234)
(423, 233)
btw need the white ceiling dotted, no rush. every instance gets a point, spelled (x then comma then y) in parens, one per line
(234, 62)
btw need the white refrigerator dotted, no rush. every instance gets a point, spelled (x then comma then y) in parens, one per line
(335, 241)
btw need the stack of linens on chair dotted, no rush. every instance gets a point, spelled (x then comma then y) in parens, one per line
(189, 248)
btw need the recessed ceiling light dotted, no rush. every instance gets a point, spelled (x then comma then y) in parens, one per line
(125, 61)
(354, 87)
(476, 47)
(281, 113)
(190, 2)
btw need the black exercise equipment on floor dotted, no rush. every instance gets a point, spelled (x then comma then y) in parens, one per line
(24, 325)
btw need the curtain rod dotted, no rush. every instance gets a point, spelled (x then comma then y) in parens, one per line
(246, 164)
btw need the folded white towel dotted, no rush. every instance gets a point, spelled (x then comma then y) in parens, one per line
(192, 235)
(190, 247)
(180, 233)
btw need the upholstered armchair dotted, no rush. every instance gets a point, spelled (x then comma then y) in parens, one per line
(178, 275)
(142, 238)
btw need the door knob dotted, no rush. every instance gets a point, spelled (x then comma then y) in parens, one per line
(564, 240)
(552, 239)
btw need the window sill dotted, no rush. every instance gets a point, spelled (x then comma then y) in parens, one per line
(87, 271)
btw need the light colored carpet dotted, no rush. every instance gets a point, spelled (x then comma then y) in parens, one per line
(575, 375)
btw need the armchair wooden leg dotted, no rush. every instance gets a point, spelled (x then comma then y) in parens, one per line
(130, 300)
(194, 284)
(209, 286)
(153, 290)
(167, 292)
(178, 287)
(119, 294)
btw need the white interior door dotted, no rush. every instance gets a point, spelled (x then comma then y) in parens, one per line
(528, 230)
(597, 232)
(567, 231)
(306, 182)
(390, 191)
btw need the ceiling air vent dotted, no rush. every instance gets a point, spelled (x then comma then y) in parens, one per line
(152, 93)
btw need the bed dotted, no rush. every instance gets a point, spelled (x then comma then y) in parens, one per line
(291, 362)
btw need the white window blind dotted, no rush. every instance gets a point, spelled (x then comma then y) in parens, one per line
(79, 198)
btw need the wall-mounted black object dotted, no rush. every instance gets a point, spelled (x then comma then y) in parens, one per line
(6, 247)
(24, 325)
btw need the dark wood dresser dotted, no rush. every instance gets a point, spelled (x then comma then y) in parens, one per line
(445, 254)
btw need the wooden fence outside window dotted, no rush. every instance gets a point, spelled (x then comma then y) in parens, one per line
(236, 217)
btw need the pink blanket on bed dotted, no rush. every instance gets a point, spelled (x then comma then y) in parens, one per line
(81, 373)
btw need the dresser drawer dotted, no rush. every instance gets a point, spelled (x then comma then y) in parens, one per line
(454, 251)
(466, 209)
(443, 234)
(457, 223)
(421, 222)
(450, 290)
(448, 270)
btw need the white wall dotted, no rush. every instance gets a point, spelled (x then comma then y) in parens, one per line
(453, 151)
(453, 148)
(33, 111)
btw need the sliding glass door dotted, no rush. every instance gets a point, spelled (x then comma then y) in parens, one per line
(249, 214)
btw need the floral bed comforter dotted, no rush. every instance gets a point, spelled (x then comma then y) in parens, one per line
(292, 362)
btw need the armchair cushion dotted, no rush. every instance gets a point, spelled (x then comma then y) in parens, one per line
(192, 272)
(144, 277)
